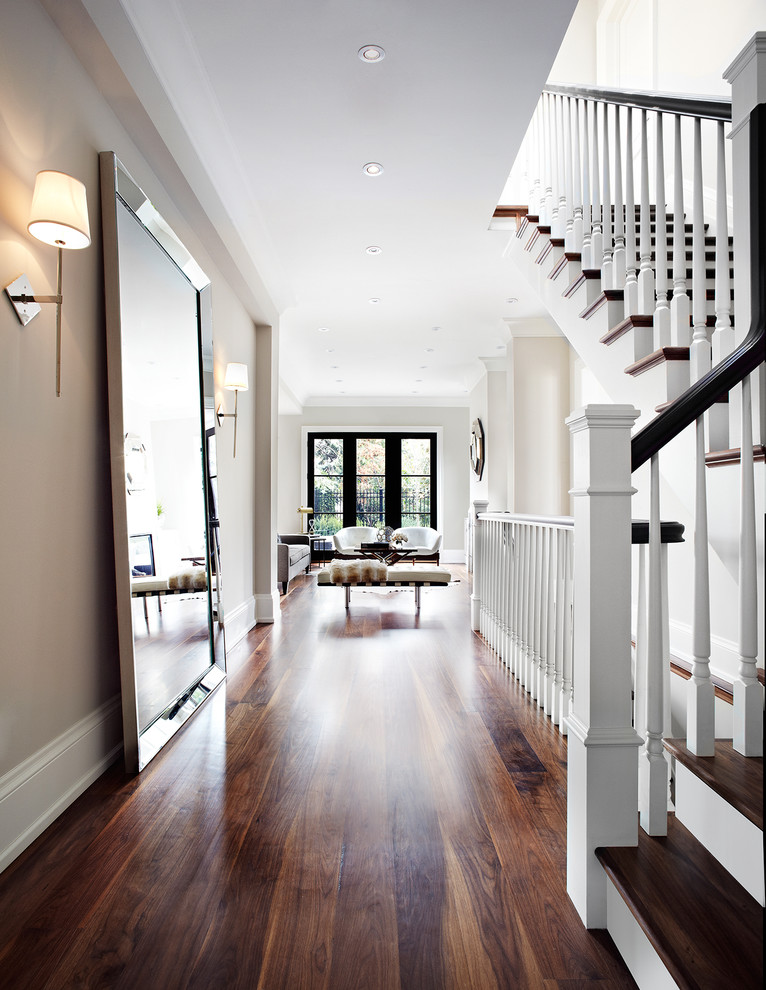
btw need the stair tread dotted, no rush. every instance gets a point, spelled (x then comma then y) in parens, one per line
(738, 779)
(661, 356)
(719, 458)
(704, 925)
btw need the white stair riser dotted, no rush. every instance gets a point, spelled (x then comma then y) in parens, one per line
(733, 839)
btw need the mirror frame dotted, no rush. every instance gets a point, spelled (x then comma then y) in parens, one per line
(141, 746)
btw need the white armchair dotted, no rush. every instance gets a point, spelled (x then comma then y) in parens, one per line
(426, 542)
(348, 540)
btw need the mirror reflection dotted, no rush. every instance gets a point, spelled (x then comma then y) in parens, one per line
(165, 500)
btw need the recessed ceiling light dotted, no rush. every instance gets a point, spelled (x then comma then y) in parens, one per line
(335, 366)
(373, 169)
(436, 329)
(374, 300)
(418, 379)
(324, 329)
(374, 249)
(422, 366)
(429, 350)
(338, 379)
(371, 53)
(511, 299)
(330, 350)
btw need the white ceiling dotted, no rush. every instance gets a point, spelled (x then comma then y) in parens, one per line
(282, 114)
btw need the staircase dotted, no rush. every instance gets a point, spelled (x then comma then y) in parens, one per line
(684, 897)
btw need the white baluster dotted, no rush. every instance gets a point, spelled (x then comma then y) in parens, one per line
(587, 213)
(549, 674)
(631, 279)
(700, 698)
(563, 216)
(569, 237)
(577, 221)
(679, 304)
(476, 610)
(508, 644)
(645, 274)
(639, 669)
(748, 694)
(515, 580)
(566, 658)
(526, 595)
(653, 767)
(723, 338)
(558, 670)
(618, 259)
(699, 354)
(534, 164)
(534, 686)
(551, 200)
(607, 275)
(662, 311)
(596, 235)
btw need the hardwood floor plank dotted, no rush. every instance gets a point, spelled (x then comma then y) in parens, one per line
(369, 801)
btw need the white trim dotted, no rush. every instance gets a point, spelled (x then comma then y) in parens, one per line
(724, 654)
(34, 793)
(239, 622)
(267, 606)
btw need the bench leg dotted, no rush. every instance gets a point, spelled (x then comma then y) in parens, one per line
(348, 595)
(417, 597)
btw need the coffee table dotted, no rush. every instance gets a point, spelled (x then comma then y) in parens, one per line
(384, 552)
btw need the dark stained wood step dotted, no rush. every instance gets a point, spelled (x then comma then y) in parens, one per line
(628, 324)
(586, 275)
(719, 458)
(737, 779)
(705, 927)
(563, 261)
(660, 356)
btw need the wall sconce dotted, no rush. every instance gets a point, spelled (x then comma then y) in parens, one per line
(59, 216)
(236, 381)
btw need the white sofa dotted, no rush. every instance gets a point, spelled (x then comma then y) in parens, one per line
(426, 542)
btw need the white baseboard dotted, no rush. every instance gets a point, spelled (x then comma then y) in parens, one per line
(34, 793)
(239, 622)
(267, 606)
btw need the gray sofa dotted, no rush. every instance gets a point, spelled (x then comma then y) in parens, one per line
(293, 555)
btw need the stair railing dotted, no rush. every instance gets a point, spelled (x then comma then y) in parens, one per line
(602, 734)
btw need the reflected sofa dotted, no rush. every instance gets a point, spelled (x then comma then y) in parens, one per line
(293, 556)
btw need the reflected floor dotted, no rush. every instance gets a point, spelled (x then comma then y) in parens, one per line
(172, 650)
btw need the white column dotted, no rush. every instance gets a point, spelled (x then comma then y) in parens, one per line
(566, 675)
(569, 238)
(679, 304)
(602, 764)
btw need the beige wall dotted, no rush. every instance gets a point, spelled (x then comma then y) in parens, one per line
(58, 652)
(540, 371)
(453, 457)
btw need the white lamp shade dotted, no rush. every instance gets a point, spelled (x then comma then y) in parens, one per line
(236, 377)
(59, 213)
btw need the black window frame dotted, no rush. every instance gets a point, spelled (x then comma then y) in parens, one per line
(393, 470)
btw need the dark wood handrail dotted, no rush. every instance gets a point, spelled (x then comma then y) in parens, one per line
(709, 107)
(752, 351)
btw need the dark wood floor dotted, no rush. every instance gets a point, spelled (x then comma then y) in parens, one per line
(369, 802)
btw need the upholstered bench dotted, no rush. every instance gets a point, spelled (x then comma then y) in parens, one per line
(373, 574)
(183, 583)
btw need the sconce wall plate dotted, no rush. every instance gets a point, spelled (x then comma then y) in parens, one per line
(17, 290)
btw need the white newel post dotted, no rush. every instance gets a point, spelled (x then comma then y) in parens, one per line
(478, 506)
(602, 804)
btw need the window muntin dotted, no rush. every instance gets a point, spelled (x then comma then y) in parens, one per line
(416, 481)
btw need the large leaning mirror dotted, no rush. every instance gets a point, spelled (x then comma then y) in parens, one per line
(164, 495)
